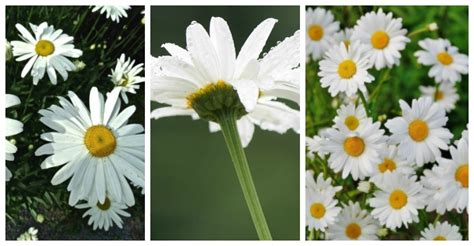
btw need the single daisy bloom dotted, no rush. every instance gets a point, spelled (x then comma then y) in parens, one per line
(455, 180)
(314, 144)
(350, 117)
(321, 209)
(12, 127)
(420, 131)
(441, 231)
(95, 146)
(113, 12)
(126, 76)
(46, 50)
(209, 70)
(446, 61)
(445, 95)
(433, 188)
(345, 69)
(398, 200)
(321, 184)
(355, 152)
(384, 35)
(353, 223)
(320, 30)
(392, 162)
(104, 215)
(344, 36)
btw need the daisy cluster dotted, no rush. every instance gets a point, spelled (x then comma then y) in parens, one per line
(408, 170)
(88, 140)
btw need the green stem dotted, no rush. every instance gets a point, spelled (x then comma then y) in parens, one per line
(228, 123)
(364, 102)
(411, 34)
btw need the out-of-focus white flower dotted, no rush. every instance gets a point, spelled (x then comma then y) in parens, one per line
(30, 235)
(113, 12)
(364, 186)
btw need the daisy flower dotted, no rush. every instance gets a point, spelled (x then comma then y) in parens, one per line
(353, 223)
(446, 95)
(46, 50)
(125, 76)
(441, 231)
(95, 146)
(321, 184)
(392, 162)
(355, 152)
(113, 12)
(209, 68)
(350, 117)
(397, 201)
(320, 30)
(12, 127)
(344, 36)
(345, 69)
(432, 188)
(420, 131)
(385, 37)
(321, 209)
(446, 61)
(104, 215)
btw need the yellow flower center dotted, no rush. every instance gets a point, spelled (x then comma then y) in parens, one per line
(445, 58)
(318, 210)
(462, 175)
(124, 81)
(387, 164)
(439, 238)
(104, 206)
(354, 146)
(380, 39)
(353, 231)
(398, 199)
(347, 69)
(316, 32)
(100, 141)
(44, 47)
(351, 122)
(438, 95)
(418, 130)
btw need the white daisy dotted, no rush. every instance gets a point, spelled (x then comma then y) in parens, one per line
(355, 152)
(113, 12)
(46, 51)
(397, 201)
(446, 61)
(209, 67)
(441, 231)
(12, 127)
(320, 30)
(420, 131)
(321, 209)
(30, 235)
(432, 188)
(353, 223)
(104, 215)
(125, 76)
(392, 162)
(345, 69)
(98, 149)
(446, 95)
(321, 184)
(344, 36)
(385, 37)
(350, 117)
(314, 144)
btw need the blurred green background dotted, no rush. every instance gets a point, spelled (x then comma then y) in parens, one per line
(195, 192)
(29, 193)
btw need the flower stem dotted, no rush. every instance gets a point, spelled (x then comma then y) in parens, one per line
(364, 102)
(228, 123)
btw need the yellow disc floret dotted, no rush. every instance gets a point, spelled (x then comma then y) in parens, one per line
(100, 141)
(380, 40)
(398, 199)
(387, 165)
(44, 47)
(418, 130)
(445, 58)
(351, 122)
(353, 231)
(318, 210)
(439, 238)
(462, 175)
(354, 146)
(316, 32)
(104, 206)
(347, 69)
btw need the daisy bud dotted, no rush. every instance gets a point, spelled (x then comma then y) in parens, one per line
(382, 232)
(8, 51)
(364, 186)
(92, 47)
(39, 218)
(334, 103)
(80, 65)
(30, 147)
(382, 117)
(13, 141)
(432, 27)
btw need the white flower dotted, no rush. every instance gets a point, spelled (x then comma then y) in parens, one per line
(8, 51)
(46, 51)
(321, 185)
(432, 188)
(420, 131)
(209, 67)
(392, 162)
(398, 201)
(446, 61)
(344, 36)
(104, 215)
(385, 37)
(345, 69)
(364, 186)
(314, 144)
(353, 223)
(350, 117)
(446, 95)
(320, 30)
(441, 231)
(355, 152)
(321, 209)
(12, 127)
(125, 76)
(98, 149)
(113, 12)
(30, 235)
